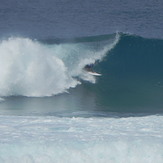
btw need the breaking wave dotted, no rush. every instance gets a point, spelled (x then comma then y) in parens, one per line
(37, 68)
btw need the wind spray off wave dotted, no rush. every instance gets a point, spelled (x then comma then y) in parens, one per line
(31, 68)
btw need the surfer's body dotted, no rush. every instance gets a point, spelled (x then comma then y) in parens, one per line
(89, 69)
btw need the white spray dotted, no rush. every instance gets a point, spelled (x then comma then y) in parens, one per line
(30, 68)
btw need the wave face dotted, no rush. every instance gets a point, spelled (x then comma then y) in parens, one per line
(132, 77)
(32, 68)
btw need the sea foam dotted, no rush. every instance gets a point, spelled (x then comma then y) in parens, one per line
(84, 140)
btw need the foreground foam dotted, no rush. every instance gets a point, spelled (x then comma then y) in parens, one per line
(52, 139)
(31, 68)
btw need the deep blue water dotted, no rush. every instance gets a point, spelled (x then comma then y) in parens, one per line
(73, 18)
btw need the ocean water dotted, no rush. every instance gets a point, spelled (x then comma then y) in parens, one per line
(51, 110)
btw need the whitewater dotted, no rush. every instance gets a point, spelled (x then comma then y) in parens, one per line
(77, 139)
(55, 67)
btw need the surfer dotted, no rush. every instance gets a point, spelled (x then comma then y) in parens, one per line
(89, 68)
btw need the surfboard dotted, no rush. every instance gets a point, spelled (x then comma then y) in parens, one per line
(94, 73)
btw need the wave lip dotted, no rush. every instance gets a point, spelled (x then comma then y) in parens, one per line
(31, 68)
